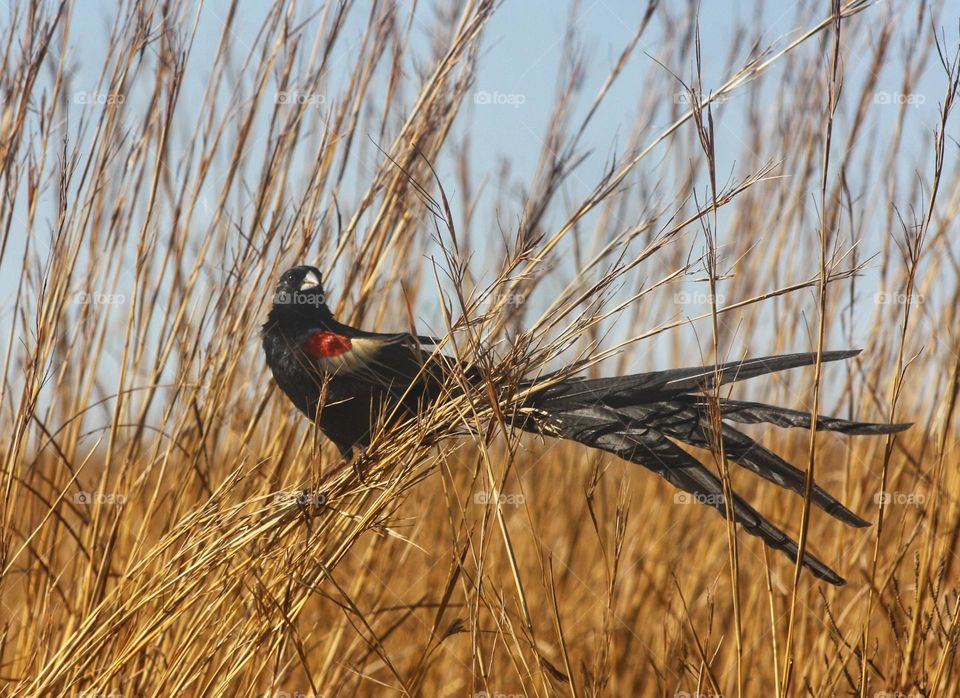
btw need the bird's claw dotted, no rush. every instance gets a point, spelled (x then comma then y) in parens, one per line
(357, 463)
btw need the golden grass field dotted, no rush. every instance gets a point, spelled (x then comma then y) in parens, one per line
(153, 543)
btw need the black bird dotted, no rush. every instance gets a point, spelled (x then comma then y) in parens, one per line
(344, 378)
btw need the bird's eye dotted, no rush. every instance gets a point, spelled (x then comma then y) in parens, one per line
(311, 280)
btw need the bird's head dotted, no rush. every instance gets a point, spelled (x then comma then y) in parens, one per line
(300, 293)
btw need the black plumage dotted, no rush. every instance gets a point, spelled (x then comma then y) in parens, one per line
(346, 379)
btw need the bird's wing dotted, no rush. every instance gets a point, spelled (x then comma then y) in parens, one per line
(392, 362)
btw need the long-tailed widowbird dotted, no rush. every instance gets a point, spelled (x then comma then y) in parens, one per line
(357, 375)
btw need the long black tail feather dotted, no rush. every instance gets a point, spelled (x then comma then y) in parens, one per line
(641, 417)
(657, 385)
(757, 413)
(658, 453)
(694, 427)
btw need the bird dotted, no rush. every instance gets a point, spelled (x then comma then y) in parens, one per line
(345, 379)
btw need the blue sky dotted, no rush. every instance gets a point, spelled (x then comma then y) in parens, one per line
(517, 78)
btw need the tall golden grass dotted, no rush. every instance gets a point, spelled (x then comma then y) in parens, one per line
(171, 527)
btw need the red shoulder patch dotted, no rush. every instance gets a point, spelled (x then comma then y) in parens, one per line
(323, 345)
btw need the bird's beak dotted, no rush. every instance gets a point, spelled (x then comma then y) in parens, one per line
(310, 281)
